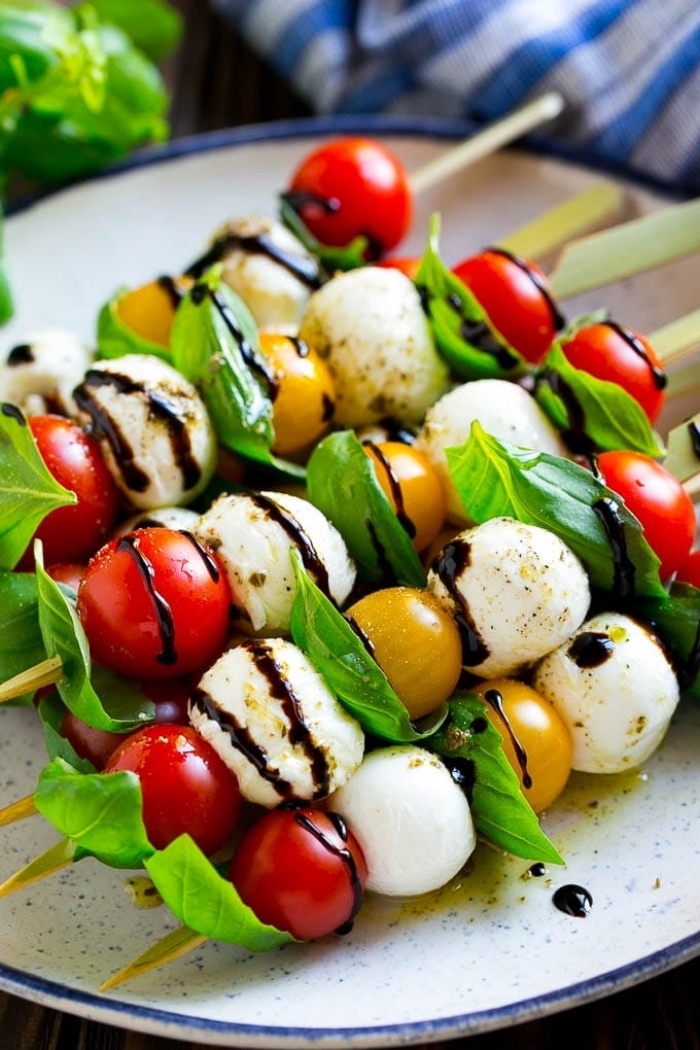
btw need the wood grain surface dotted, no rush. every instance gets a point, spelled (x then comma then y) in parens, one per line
(217, 82)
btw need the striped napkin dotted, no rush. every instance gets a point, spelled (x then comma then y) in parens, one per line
(629, 69)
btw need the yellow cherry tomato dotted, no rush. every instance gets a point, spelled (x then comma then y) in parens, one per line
(413, 487)
(535, 740)
(414, 641)
(304, 400)
(149, 311)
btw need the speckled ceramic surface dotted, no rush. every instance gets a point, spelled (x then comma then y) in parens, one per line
(490, 948)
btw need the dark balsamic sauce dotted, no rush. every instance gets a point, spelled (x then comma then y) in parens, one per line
(383, 561)
(22, 354)
(658, 374)
(210, 563)
(573, 900)
(608, 512)
(694, 431)
(103, 426)
(312, 563)
(462, 771)
(343, 853)
(166, 629)
(328, 408)
(304, 268)
(12, 412)
(450, 562)
(495, 700)
(537, 870)
(591, 649)
(357, 630)
(575, 434)
(395, 489)
(558, 319)
(175, 292)
(480, 334)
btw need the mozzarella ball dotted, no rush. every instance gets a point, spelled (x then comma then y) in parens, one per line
(253, 535)
(180, 518)
(153, 428)
(517, 591)
(504, 409)
(274, 722)
(370, 327)
(39, 374)
(270, 269)
(615, 689)
(410, 818)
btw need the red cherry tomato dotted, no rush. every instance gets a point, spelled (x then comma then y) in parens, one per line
(407, 264)
(353, 186)
(617, 354)
(67, 572)
(186, 788)
(301, 871)
(689, 570)
(74, 459)
(657, 499)
(154, 604)
(516, 297)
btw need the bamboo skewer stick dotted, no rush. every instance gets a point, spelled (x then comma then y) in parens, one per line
(571, 218)
(48, 672)
(169, 948)
(20, 810)
(54, 859)
(492, 138)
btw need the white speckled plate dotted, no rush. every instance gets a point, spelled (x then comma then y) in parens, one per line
(491, 948)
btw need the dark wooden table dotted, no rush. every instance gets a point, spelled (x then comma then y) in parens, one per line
(217, 82)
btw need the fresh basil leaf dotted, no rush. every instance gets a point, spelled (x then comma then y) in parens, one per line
(153, 25)
(101, 812)
(463, 334)
(342, 483)
(351, 674)
(497, 480)
(27, 30)
(676, 618)
(115, 339)
(203, 900)
(21, 644)
(469, 741)
(28, 492)
(64, 636)
(7, 306)
(215, 345)
(51, 711)
(593, 414)
(346, 257)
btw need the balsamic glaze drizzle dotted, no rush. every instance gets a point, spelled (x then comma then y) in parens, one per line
(608, 512)
(450, 562)
(303, 267)
(694, 431)
(658, 374)
(395, 489)
(22, 354)
(591, 649)
(573, 900)
(495, 700)
(558, 319)
(341, 852)
(312, 562)
(13, 412)
(253, 359)
(131, 544)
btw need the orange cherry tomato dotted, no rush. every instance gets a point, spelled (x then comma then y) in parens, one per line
(407, 264)
(415, 642)
(535, 740)
(149, 311)
(304, 397)
(413, 487)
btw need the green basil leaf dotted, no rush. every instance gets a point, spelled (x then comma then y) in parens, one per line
(593, 414)
(463, 334)
(215, 345)
(7, 306)
(342, 483)
(676, 618)
(201, 899)
(348, 670)
(346, 257)
(21, 644)
(497, 480)
(27, 31)
(51, 711)
(153, 25)
(64, 636)
(28, 492)
(500, 810)
(101, 812)
(115, 339)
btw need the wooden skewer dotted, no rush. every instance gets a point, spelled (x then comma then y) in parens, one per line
(173, 946)
(19, 810)
(48, 672)
(492, 138)
(677, 341)
(53, 860)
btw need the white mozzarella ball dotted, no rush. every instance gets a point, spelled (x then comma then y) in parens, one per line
(504, 410)
(614, 687)
(180, 518)
(270, 269)
(410, 818)
(517, 591)
(153, 428)
(272, 719)
(370, 327)
(253, 535)
(39, 374)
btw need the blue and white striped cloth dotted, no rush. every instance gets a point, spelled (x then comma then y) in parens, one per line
(629, 69)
